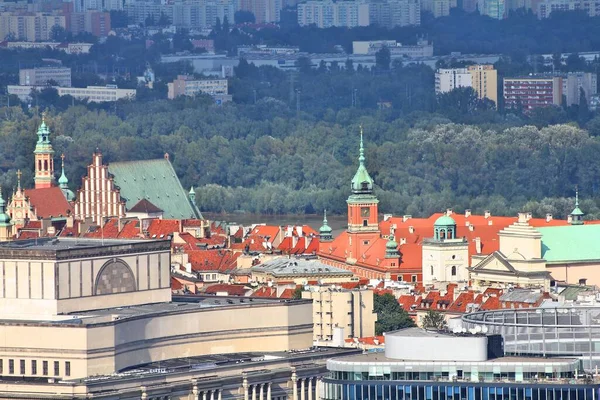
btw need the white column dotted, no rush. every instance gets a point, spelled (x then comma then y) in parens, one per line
(212, 395)
(318, 389)
(220, 394)
(204, 395)
(302, 389)
(295, 386)
(268, 391)
(261, 392)
(253, 392)
(310, 395)
(245, 386)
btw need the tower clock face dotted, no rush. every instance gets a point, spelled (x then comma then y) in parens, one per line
(365, 212)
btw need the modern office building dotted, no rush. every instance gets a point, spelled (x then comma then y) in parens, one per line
(564, 331)
(532, 92)
(484, 80)
(86, 318)
(188, 86)
(428, 365)
(447, 80)
(333, 308)
(328, 13)
(98, 94)
(45, 75)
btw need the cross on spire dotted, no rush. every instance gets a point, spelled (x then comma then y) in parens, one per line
(361, 157)
(19, 173)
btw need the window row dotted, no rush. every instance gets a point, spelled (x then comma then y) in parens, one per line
(33, 371)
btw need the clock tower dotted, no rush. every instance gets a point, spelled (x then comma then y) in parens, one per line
(44, 158)
(363, 224)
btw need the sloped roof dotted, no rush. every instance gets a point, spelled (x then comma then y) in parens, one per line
(570, 243)
(145, 206)
(156, 181)
(49, 202)
(164, 227)
(223, 261)
(231, 290)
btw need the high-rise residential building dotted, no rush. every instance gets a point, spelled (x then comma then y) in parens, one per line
(574, 82)
(544, 8)
(327, 13)
(351, 310)
(97, 5)
(45, 75)
(264, 11)
(439, 8)
(492, 8)
(29, 26)
(532, 92)
(138, 11)
(94, 22)
(447, 80)
(392, 13)
(484, 80)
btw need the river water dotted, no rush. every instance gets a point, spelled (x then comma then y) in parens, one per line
(338, 223)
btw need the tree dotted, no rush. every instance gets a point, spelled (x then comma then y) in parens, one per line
(149, 21)
(244, 17)
(390, 316)
(163, 20)
(297, 294)
(434, 320)
(118, 19)
(383, 58)
(349, 67)
(58, 33)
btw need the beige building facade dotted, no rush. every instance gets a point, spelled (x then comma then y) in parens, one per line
(484, 80)
(351, 310)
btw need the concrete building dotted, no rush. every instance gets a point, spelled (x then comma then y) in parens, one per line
(98, 94)
(298, 270)
(97, 5)
(439, 8)
(528, 93)
(422, 49)
(484, 80)
(69, 48)
(445, 256)
(392, 13)
(187, 86)
(546, 7)
(29, 27)
(447, 80)
(43, 75)
(328, 13)
(95, 22)
(265, 11)
(492, 8)
(445, 365)
(76, 309)
(574, 82)
(333, 308)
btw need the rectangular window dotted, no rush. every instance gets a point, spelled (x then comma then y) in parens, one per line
(11, 367)
(45, 367)
(33, 367)
(67, 368)
(56, 368)
(413, 278)
(22, 367)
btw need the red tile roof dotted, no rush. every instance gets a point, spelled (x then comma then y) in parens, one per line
(266, 231)
(287, 294)
(213, 260)
(231, 290)
(175, 284)
(28, 235)
(265, 291)
(130, 230)
(163, 227)
(49, 202)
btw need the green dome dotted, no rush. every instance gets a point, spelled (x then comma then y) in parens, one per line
(362, 181)
(63, 181)
(391, 244)
(445, 220)
(325, 230)
(4, 217)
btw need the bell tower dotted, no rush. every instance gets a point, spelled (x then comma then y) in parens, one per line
(44, 157)
(363, 224)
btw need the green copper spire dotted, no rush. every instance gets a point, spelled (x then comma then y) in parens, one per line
(577, 214)
(391, 247)
(43, 144)
(325, 229)
(63, 182)
(362, 183)
(4, 217)
(192, 195)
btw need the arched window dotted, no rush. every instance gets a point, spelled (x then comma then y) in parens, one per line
(453, 270)
(45, 165)
(432, 270)
(39, 165)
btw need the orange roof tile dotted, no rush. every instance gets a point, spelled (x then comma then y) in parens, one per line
(287, 294)
(163, 227)
(49, 202)
(220, 260)
(231, 290)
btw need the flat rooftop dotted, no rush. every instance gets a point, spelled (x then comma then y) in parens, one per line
(179, 304)
(66, 243)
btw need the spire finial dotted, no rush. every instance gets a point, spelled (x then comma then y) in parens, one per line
(44, 116)
(19, 173)
(325, 216)
(576, 196)
(361, 157)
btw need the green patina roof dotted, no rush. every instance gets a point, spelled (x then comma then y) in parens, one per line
(570, 243)
(362, 181)
(156, 181)
(43, 144)
(444, 220)
(325, 228)
(4, 217)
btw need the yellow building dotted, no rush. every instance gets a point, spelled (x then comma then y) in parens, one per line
(484, 79)
(334, 307)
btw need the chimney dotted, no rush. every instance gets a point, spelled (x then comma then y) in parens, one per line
(402, 241)
(167, 156)
(471, 227)
(522, 217)
(548, 217)
(478, 245)
(188, 268)
(406, 218)
(448, 211)
(487, 214)
(411, 229)
(290, 230)
(386, 217)
(490, 222)
(467, 213)
(299, 230)
(529, 216)
(569, 219)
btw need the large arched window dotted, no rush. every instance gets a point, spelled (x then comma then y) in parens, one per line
(453, 270)
(115, 276)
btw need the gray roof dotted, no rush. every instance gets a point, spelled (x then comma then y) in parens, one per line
(521, 296)
(285, 266)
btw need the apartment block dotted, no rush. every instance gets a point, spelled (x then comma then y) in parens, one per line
(492, 8)
(43, 76)
(439, 8)
(574, 82)
(422, 49)
(531, 92)
(546, 7)
(484, 80)
(98, 94)
(29, 27)
(265, 11)
(327, 13)
(94, 22)
(392, 13)
(447, 80)
(340, 308)
(185, 85)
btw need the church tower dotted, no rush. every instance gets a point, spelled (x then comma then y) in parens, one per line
(6, 225)
(44, 158)
(363, 224)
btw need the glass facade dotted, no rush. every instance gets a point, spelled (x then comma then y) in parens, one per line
(547, 332)
(410, 390)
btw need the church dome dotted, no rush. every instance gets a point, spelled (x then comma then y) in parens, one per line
(4, 217)
(445, 220)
